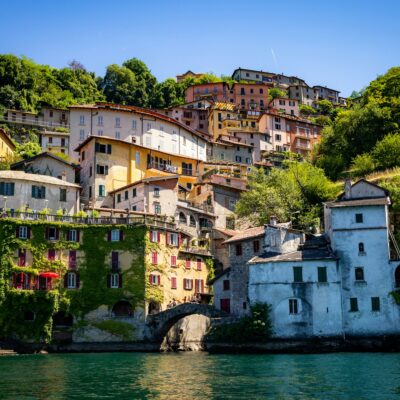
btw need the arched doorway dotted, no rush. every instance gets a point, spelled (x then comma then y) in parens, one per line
(62, 319)
(122, 309)
(154, 307)
(397, 277)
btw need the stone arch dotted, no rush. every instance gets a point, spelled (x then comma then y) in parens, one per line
(162, 322)
(62, 319)
(397, 276)
(122, 308)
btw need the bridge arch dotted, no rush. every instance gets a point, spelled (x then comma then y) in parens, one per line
(159, 324)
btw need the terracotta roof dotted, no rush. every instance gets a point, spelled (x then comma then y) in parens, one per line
(288, 116)
(139, 110)
(227, 232)
(218, 105)
(247, 234)
(23, 176)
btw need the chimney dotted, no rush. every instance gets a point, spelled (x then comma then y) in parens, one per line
(272, 220)
(347, 188)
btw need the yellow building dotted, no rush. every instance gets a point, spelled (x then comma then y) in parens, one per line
(7, 147)
(108, 164)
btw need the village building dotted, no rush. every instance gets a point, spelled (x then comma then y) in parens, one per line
(54, 141)
(7, 146)
(285, 106)
(49, 164)
(24, 191)
(136, 125)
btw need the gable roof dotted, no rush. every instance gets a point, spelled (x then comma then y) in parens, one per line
(386, 192)
(23, 176)
(41, 155)
(6, 138)
(247, 234)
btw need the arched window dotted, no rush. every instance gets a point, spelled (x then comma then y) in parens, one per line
(359, 274)
(361, 247)
(122, 309)
(182, 218)
(192, 221)
(397, 276)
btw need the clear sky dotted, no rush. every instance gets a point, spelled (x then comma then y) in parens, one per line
(342, 44)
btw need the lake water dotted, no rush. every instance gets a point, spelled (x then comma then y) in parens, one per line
(200, 376)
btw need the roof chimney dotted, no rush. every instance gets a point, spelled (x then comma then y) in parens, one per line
(272, 220)
(347, 188)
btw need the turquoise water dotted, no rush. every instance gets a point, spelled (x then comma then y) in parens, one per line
(200, 376)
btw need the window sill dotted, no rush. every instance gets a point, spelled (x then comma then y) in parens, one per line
(361, 283)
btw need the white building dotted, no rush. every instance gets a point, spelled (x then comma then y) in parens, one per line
(135, 125)
(20, 191)
(338, 284)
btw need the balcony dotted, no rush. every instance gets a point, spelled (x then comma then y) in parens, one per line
(201, 207)
(163, 167)
(33, 122)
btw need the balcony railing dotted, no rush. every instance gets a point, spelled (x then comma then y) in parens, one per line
(33, 122)
(128, 220)
(199, 206)
(163, 167)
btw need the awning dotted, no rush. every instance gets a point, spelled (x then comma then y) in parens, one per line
(49, 275)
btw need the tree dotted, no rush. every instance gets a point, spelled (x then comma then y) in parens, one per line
(294, 193)
(325, 107)
(28, 149)
(386, 152)
(306, 110)
(362, 165)
(275, 93)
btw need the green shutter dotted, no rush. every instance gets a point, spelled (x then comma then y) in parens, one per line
(43, 192)
(298, 274)
(33, 191)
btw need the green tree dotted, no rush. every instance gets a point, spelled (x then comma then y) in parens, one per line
(362, 165)
(325, 107)
(386, 152)
(28, 149)
(306, 110)
(275, 93)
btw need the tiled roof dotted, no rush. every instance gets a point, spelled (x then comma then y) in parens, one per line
(227, 232)
(218, 105)
(23, 176)
(247, 234)
(41, 155)
(359, 202)
(145, 180)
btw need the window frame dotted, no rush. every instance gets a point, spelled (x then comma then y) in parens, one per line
(293, 306)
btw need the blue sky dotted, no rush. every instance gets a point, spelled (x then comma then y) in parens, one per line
(340, 44)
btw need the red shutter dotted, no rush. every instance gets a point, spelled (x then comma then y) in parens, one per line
(121, 235)
(202, 285)
(17, 232)
(66, 280)
(158, 237)
(158, 277)
(78, 281)
(188, 263)
(72, 259)
(109, 236)
(173, 283)
(150, 236)
(52, 254)
(179, 240)
(150, 279)
(199, 264)
(167, 238)
(173, 261)
(120, 281)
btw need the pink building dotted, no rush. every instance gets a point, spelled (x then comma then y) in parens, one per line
(285, 106)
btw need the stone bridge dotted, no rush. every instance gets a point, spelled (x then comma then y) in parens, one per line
(159, 324)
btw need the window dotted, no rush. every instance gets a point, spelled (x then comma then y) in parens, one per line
(173, 239)
(119, 198)
(51, 255)
(226, 284)
(154, 279)
(82, 135)
(361, 248)
(117, 122)
(134, 208)
(21, 257)
(239, 250)
(188, 284)
(90, 192)
(359, 274)
(103, 148)
(156, 192)
(72, 259)
(173, 282)
(173, 261)
(118, 135)
(293, 306)
(134, 124)
(375, 304)
(99, 132)
(114, 281)
(359, 218)
(52, 234)
(199, 286)
(198, 263)
(322, 275)
(73, 235)
(157, 208)
(100, 120)
(154, 258)
(134, 192)
(298, 274)
(278, 126)
(83, 156)
(102, 190)
(38, 192)
(238, 159)
(81, 120)
(71, 280)
(50, 139)
(7, 188)
(63, 194)
(155, 236)
(256, 246)
(115, 235)
(148, 126)
(22, 232)
(353, 304)
(188, 263)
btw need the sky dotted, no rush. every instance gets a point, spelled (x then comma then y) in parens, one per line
(340, 44)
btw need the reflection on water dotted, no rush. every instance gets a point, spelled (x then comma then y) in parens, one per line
(200, 376)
